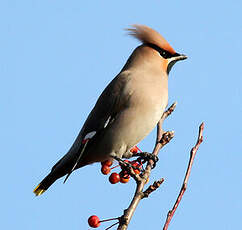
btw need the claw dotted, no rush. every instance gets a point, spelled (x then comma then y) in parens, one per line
(149, 156)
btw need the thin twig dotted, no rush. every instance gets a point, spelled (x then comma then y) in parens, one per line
(161, 140)
(111, 226)
(184, 185)
(167, 113)
(152, 188)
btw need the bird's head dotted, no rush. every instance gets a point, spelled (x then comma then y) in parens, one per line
(152, 39)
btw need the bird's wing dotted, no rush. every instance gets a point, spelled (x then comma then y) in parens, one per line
(110, 103)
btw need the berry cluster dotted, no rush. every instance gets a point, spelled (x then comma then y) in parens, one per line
(122, 176)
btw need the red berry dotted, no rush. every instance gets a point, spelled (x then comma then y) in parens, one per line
(125, 179)
(124, 176)
(134, 149)
(114, 178)
(107, 162)
(136, 164)
(136, 171)
(94, 221)
(105, 169)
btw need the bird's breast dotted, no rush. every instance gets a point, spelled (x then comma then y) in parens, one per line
(147, 102)
(147, 91)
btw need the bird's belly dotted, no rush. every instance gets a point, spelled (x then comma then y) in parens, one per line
(129, 128)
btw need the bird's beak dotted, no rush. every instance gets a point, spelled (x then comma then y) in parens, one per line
(182, 57)
(178, 57)
(174, 59)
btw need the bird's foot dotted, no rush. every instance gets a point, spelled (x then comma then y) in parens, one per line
(118, 159)
(145, 157)
(126, 164)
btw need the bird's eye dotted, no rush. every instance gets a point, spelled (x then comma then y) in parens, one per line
(164, 54)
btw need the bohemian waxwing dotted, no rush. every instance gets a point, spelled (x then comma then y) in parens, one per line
(127, 110)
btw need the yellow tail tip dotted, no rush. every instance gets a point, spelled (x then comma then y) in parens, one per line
(38, 190)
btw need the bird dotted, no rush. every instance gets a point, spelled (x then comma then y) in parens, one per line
(127, 110)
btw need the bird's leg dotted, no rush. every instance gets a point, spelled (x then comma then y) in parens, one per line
(122, 162)
(125, 163)
(145, 156)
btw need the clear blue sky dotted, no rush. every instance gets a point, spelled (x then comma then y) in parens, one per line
(56, 57)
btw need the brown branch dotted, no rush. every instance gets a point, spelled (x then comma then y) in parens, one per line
(161, 140)
(164, 116)
(152, 188)
(184, 185)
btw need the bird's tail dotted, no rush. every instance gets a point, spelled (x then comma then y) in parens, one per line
(44, 184)
(61, 168)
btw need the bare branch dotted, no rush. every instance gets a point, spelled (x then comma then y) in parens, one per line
(184, 185)
(167, 113)
(152, 187)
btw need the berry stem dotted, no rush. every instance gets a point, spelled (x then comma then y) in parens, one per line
(112, 225)
(116, 218)
(115, 167)
(138, 148)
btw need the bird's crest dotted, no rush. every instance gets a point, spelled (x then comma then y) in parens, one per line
(147, 35)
